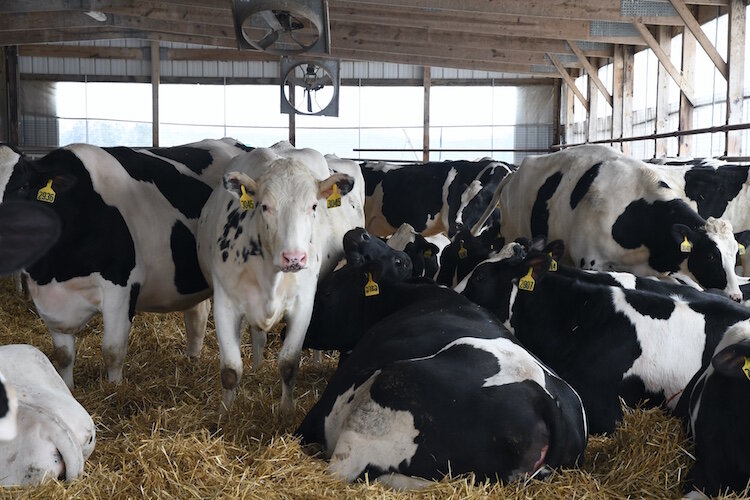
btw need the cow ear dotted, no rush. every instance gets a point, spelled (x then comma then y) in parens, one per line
(538, 263)
(343, 182)
(680, 232)
(538, 243)
(235, 181)
(61, 182)
(27, 231)
(734, 361)
(556, 249)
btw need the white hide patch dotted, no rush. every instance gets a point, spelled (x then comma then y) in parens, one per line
(469, 193)
(8, 160)
(721, 233)
(671, 349)
(361, 432)
(404, 235)
(505, 253)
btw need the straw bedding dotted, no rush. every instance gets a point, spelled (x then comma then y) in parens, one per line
(159, 432)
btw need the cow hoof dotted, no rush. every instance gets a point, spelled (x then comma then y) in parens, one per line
(227, 397)
(229, 378)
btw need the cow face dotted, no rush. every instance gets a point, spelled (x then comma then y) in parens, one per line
(287, 198)
(361, 247)
(712, 254)
(21, 179)
(461, 256)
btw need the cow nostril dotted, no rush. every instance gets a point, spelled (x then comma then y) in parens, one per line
(63, 473)
(365, 236)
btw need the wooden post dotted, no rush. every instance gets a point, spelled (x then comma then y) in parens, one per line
(426, 84)
(628, 54)
(593, 99)
(292, 116)
(556, 111)
(155, 77)
(736, 69)
(664, 37)
(13, 82)
(685, 142)
(4, 110)
(570, 101)
(617, 76)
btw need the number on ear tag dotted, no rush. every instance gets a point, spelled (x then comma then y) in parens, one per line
(552, 264)
(371, 288)
(334, 200)
(46, 194)
(462, 252)
(527, 282)
(246, 201)
(686, 246)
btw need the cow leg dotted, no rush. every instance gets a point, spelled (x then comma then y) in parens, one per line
(196, 319)
(64, 354)
(291, 351)
(116, 331)
(228, 321)
(259, 345)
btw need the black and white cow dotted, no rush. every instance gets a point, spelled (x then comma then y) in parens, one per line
(128, 222)
(435, 385)
(715, 406)
(433, 197)
(424, 254)
(607, 341)
(465, 251)
(617, 213)
(265, 236)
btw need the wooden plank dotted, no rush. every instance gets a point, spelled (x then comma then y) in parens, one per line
(155, 78)
(695, 28)
(426, 85)
(4, 118)
(664, 37)
(628, 58)
(82, 52)
(569, 80)
(617, 91)
(591, 112)
(570, 100)
(735, 82)
(664, 59)
(685, 142)
(591, 71)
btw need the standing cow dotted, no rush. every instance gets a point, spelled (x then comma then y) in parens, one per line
(617, 213)
(433, 197)
(264, 237)
(127, 244)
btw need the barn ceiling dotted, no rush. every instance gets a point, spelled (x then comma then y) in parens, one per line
(512, 36)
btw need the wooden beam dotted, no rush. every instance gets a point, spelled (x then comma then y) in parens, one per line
(617, 90)
(695, 28)
(570, 100)
(591, 115)
(82, 52)
(155, 77)
(685, 142)
(557, 111)
(591, 70)
(664, 59)
(12, 82)
(292, 116)
(664, 37)
(735, 81)
(569, 80)
(628, 57)
(426, 85)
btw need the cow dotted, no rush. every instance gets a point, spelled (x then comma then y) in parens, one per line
(54, 434)
(265, 236)
(435, 385)
(714, 188)
(433, 197)
(466, 251)
(616, 213)
(128, 238)
(714, 407)
(609, 341)
(423, 253)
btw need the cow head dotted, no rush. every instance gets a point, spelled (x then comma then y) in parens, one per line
(463, 254)
(711, 255)
(21, 178)
(287, 198)
(361, 247)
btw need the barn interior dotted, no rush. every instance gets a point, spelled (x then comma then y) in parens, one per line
(395, 80)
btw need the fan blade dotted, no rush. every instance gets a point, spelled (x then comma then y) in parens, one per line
(270, 18)
(309, 101)
(268, 40)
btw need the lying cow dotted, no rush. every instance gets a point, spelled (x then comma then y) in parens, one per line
(422, 253)
(465, 251)
(263, 239)
(435, 385)
(609, 341)
(128, 223)
(617, 213)
(433, 197)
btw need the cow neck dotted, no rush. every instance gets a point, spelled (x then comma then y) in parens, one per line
(395, 297)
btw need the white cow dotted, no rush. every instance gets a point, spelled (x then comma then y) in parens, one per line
(263, 239)
(54, 433)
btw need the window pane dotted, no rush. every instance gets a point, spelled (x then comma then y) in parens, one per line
(461, 106)
(191, 104)
(119, 101)
(255, 106)
(391, 106)
(336, 141)
(173, 135)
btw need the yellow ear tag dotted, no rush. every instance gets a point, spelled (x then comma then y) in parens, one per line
(462, 252)
(497, 205)
(46, 194)
(527, 282)
(741, 248)
(335, 199)
(746, 367)
(371, 288)
(552, 264)
(686, 246)
(246, 201)
(427, 253)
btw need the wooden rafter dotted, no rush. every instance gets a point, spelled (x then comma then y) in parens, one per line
(569, 80)
(591, 70)
(695, 28)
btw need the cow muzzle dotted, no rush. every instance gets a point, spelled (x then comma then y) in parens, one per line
(736, 296)
(291, 262)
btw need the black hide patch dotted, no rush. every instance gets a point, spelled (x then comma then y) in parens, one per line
(4, 403)
(654, 306)
(188, 278)
(583, 185)
(185, 193)
(540, 211)
(135, 289)
(195, 159)
(713, 189)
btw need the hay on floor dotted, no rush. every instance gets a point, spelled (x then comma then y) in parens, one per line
(159, 432)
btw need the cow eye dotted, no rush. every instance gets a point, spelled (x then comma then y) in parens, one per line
(315, 206)
(264, 207)
(398, 262)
